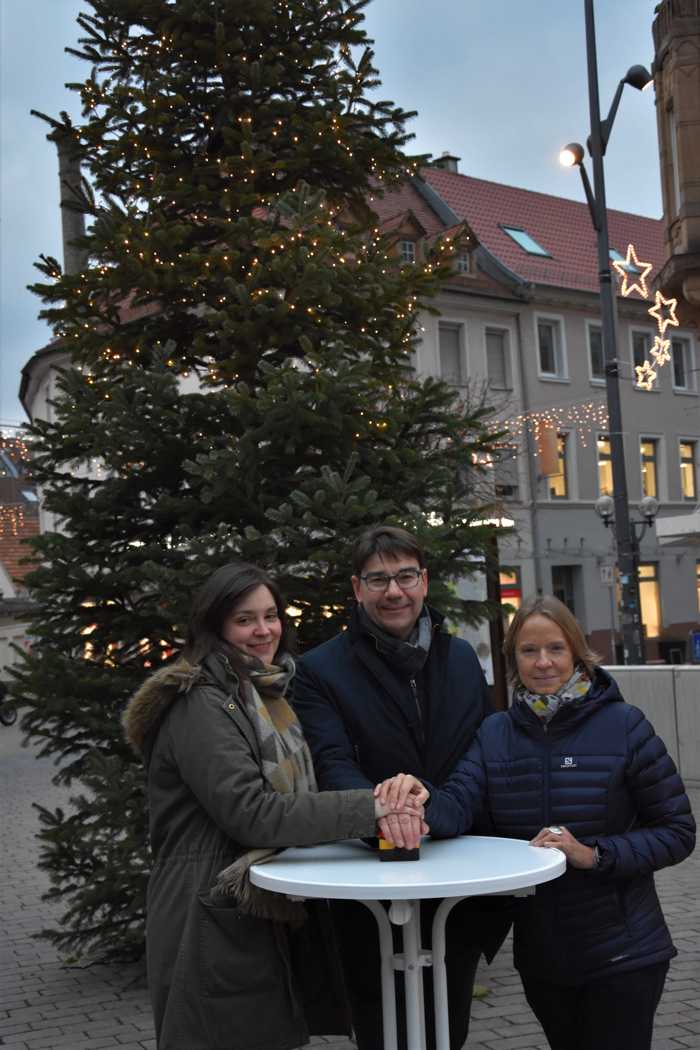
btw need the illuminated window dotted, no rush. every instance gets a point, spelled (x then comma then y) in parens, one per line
(559, 482)
(648, 449)
(689, 486)
(451, 357)
(523, 239)
(649, 598)
(697, 575)
(511, 592)
(596, 358)
(497, 359)
(605, 476)
(407, 251)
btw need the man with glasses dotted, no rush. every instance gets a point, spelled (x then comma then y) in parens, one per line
(395, 693)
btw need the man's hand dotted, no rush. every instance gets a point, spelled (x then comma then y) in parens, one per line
(577, 855)
(403, 829)
(401, 790)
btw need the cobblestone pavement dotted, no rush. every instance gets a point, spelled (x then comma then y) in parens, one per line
(45, 1005)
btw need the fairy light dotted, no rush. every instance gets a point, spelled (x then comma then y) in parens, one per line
(660, 351)
(663, 318)
(631, 264)
(646, 376)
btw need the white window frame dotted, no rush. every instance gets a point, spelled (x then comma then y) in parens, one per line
(464, 263)
(461, 328)
(691, 363)
(405, 255)
(507, 356)
(595, 380)
(562, 376)
(643, 329)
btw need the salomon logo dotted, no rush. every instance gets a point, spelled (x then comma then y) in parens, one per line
(568, 763)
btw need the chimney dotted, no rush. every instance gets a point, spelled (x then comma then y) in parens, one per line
(447, 162)
(72, 221)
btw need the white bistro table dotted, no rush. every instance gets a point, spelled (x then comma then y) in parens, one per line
(450, 868)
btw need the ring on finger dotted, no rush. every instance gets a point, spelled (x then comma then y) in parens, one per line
(555, 830)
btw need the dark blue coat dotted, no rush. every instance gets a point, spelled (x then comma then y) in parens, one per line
(362, 722)
(361, 717)
(599, 769)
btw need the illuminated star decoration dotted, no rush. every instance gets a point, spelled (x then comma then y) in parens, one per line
(639, 284)
(660, 351)
(664, 320)
(645, 376)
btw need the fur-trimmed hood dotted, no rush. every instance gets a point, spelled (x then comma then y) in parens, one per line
(152, 700)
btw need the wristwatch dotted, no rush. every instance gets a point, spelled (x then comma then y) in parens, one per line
(601, 856)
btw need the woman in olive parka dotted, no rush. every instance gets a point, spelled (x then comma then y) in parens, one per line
(230, 781)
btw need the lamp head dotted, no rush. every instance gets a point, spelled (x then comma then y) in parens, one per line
(605, 509)
(571, 155)
(638, 77)
(649, 508)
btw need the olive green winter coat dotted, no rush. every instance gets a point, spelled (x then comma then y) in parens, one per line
(219, 979)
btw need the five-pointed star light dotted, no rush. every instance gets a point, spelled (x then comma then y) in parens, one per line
(660, 351)
(657, 311)
(639, 284)
(645, 376)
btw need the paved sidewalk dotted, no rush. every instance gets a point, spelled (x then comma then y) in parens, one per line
(45, 1005)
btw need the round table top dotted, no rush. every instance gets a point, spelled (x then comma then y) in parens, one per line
(461, 867)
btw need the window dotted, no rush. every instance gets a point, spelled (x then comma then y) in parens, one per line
(596, 358)
(550, 348)
(407, 251)
(648, 448)
(523, 239)
(464, 263)
(563, 584)
(641, 348)
(505, 473)
(497, 359)
(649, 599)
(697, 574)
(605, 477)
(559, 482)
(511, 592)
(689, 488)
(682, 361)
(451, 368)
(616, 257)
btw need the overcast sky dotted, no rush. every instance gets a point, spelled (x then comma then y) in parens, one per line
(500, 83)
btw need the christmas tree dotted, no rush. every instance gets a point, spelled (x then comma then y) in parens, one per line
(241, 335)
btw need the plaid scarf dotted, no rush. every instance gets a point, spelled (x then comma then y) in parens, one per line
(286, 766)
(546, 705)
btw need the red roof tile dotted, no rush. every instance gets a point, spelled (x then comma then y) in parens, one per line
(562, 227)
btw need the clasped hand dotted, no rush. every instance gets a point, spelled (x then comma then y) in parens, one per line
(399, 806)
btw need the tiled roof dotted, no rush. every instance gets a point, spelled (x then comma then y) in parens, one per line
(13, 546)
(562, 227)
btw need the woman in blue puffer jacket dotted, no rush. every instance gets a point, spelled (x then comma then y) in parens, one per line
(572, 765)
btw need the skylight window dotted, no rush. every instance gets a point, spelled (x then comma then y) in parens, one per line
(616, 257)
(525, 241)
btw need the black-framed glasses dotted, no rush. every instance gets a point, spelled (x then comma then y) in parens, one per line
(407, 579)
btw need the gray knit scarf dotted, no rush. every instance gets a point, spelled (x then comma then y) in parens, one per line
(286, 766)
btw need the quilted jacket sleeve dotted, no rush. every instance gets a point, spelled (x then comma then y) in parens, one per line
(664, 829)
(453, 808)
(215, 760)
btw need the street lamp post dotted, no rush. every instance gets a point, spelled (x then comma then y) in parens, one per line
(627, 548)
(605, 508)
